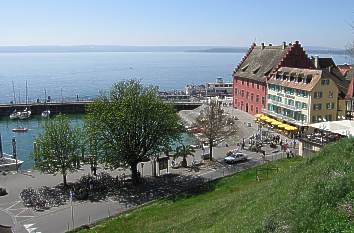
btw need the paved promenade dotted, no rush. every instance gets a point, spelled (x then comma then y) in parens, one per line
(67, 217)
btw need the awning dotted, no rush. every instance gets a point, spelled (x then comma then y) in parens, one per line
(344, 127)
(276, 122)
(258, 115)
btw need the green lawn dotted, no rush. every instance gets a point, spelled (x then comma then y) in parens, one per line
(305, 195)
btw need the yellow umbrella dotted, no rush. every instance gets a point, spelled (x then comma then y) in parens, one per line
(289, 128)
(264, 118)
(269, 120)
(258, 115)
(276, 123)
(283, 125)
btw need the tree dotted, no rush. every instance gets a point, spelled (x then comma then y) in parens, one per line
(183, 151)
(216, 126)
(132, 124)
(58, 148)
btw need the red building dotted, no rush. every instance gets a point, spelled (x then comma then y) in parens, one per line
(260, 62)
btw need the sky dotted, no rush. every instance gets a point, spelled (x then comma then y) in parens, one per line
(176, 22)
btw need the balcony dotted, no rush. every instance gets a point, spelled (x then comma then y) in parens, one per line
(284, 118)
(281, 104)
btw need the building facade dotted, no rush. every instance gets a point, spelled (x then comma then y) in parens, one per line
(304, 96)
(258, 65)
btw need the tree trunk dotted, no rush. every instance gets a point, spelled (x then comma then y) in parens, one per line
(135, 175)
(211, 150)
(184, 161)
(64, 180)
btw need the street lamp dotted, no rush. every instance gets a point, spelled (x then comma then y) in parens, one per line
(14, 151)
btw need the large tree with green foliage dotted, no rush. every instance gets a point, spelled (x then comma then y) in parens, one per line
(58, 148)
(131, 124)
(215, 124)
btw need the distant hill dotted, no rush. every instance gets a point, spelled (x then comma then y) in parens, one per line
(119, 48)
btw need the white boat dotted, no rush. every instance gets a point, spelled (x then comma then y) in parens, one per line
(14, 115)
(8, 163)
(25, 114)
(46, 113)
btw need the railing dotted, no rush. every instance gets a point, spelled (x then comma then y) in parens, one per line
(293, 108)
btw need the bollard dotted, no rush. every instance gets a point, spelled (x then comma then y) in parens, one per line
(109, 213)
(68, 227)
(89, 220)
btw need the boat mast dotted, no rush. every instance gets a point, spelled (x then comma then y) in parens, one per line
(26, 94)
(13, 90)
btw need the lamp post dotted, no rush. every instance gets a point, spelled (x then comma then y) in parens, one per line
(14, 151)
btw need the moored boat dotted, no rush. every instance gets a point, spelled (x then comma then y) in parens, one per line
(46, 113)
(20, 129)
(14, 115)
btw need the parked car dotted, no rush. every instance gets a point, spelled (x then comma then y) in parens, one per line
(235, 157)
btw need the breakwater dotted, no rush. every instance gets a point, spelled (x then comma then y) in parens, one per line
(75, 107)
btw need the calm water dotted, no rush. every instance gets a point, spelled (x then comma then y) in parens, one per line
(24, 141)
(85, 74)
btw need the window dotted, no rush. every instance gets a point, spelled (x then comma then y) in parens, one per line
(314, 119)
(263, 100)
(243, 82)
(304, 106)
(242, 93)
(252, 84)
(256, 109)
(317, 106)
(257, 98)
(248, 83)
(263, 88)
(257, 86)
(251, 108)
(247, 94)
(330, 105)
(317, 94)
(235, 91)
(330, 94)
(298, 104)
(291, 102)
(252, 95)
(325, 82)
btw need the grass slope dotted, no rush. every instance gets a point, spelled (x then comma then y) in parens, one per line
(306, 195)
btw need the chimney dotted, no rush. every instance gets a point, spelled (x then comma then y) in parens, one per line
(270, 44)
(262, 45)
(317, 62)
(284, 45)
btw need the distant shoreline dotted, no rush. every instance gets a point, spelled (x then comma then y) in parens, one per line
(125, 49)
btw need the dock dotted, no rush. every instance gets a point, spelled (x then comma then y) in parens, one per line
(75, 107)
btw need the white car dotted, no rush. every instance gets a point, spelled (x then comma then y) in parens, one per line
(235, 157)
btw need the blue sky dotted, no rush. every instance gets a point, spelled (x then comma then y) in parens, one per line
(175, 22)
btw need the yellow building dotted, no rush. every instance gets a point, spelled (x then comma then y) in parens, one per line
(305, 96)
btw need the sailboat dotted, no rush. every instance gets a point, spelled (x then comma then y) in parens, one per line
(46, 112)
(14, 115)
(27, 112)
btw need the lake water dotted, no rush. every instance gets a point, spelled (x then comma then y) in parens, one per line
(85, 74)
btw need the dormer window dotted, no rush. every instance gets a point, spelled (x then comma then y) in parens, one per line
(244, 68)
(308, 79)
(284, 77)
(256, 70)
(299, 79)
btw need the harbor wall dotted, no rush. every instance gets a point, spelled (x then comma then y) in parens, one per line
(73, 107)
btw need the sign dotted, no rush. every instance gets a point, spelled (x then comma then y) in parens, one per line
(163, 163)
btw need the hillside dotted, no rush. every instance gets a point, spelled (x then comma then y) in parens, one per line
(305, 195)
